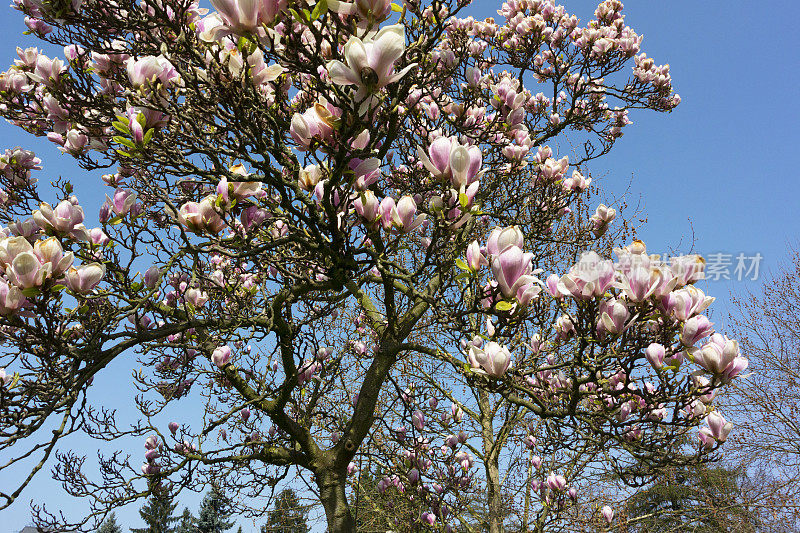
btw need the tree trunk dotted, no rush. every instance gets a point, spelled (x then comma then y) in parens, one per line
(334, 501)
(494, 496)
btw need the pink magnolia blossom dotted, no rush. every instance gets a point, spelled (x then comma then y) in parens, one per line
(448, 159)
(696, 329)
(66, 218)
(502, 238)
(613, 316)
(602, 218)
(475, 258)
(246, 16)
(122, 202)
(369, 63)
(494, 359)
(11, 298)
(655, 355)
(221, 356)
(588, 278)
(512, 270)
(720, 356)
(717, 430)
(201, 217)
(401, 216)
(85, 278)
(608, 514)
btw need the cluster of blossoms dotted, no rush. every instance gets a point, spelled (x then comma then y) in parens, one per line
(31, 262)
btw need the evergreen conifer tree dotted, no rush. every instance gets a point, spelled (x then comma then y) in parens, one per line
(110, 525)
(287, 516)
(214, 512)
(157, 514)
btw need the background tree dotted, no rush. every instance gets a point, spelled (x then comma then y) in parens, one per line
(188, 523)
(288, 515)
(215, 511)
(766, 403)
(699, 499)
(157, 513)
(110, 525)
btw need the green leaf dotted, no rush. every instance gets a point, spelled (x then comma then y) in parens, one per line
(148, 136)
(135, 286)
(320, 9)
(503, 305)
(396, 8)
(121, 127)
(58, 288)
(124, 142)
(462, 265)
(125, 120)
(123, 153)
(463, 200)
(114, 221)
(31, 292)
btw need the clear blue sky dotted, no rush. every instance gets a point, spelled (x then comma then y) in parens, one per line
(719, 172)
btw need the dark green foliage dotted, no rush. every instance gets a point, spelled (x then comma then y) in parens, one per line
(157, 513)
(187, 522)
(214, 512)
(287, 515)
(692, 499)
(110, 525)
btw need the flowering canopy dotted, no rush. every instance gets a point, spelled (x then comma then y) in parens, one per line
(304, 195)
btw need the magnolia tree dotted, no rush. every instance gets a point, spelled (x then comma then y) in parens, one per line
(339, 234)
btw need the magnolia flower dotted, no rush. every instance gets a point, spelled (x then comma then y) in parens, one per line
(589, 277)
(11, 298)
(502, 238)
(418, 420)
(401, 216)
(122, 202)
(556, 482)
(447, 158)
(369, 64)
(717, 430)
(655, 355)
(368, 11)
(221, 355)
(512, 270)
(199, 217)
(696, 329)
(316, 122)
(608, 514)
(721, 356)
(367, 205)
(246, 16)
(151, 277)
(66, 218)
(85, 278)
(494, 359)
(5, 379)
(613, 315)
(238, 189)
(687, 302)
(29, 266)
(150, 69)
(475, 258)
(601, 219)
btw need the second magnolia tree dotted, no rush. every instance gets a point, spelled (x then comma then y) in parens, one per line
(341, 244)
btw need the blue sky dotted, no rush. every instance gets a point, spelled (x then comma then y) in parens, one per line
(719, 173)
